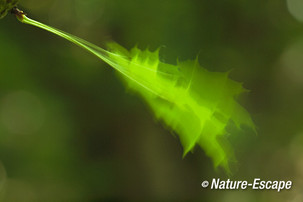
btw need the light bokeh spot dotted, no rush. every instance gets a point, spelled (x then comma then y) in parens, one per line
(292, 63)
(21, 112)
(295, 7)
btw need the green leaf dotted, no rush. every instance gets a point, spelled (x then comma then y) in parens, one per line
(192, 102)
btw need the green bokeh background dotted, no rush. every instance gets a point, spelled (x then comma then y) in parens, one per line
(69, 131)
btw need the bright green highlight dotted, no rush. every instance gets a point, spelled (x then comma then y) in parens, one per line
(191, 101)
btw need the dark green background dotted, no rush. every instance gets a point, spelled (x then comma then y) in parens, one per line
(69, 131)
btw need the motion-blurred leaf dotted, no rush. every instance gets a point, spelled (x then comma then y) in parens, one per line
(193, 102)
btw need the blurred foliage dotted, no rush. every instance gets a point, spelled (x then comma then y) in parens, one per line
(6, 6)
(69, 132)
